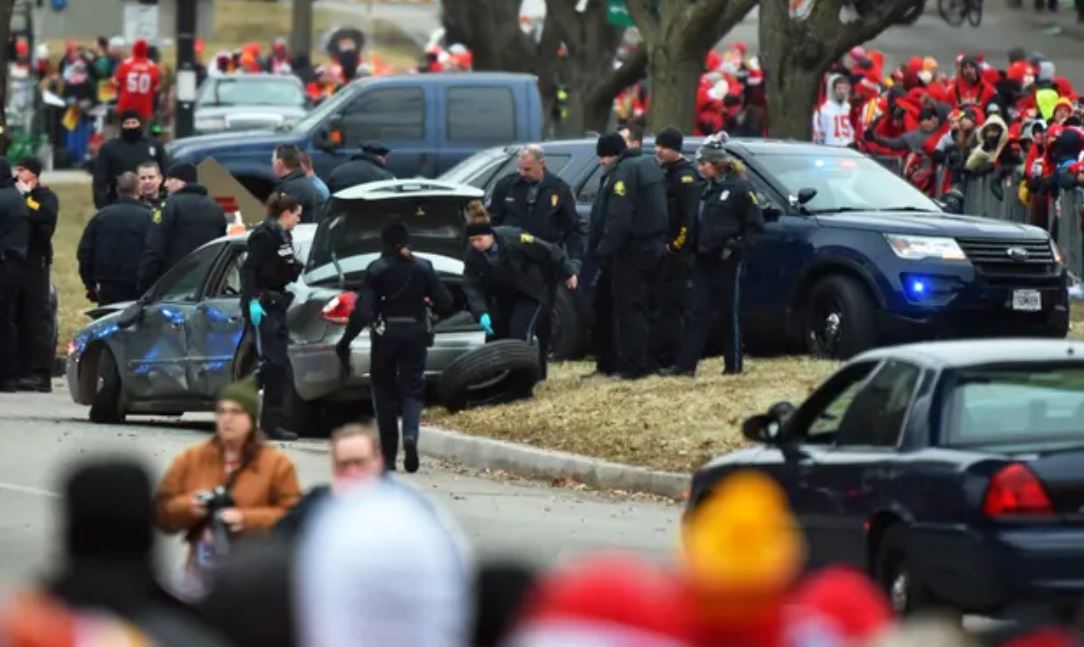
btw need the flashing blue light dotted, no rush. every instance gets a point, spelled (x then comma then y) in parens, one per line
(918, 287)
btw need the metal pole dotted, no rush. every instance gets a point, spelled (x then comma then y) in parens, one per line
(301, 34)
(184, 125)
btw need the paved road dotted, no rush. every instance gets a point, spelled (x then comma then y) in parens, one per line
(44, 435)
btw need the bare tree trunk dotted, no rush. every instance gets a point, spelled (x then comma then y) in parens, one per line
(301, 32)
(7, 7)
(674, 77)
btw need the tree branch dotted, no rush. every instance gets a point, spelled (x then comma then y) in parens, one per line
(624, 76)
(708, 21)
(877, 18)
(646, 20)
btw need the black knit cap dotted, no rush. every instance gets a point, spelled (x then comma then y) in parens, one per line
(374, 147)
(395, 236)
(31, 164)
(185, 172)
(479, 229)
(670, 137)
(130, 114)
(109, 510)
(610, 145)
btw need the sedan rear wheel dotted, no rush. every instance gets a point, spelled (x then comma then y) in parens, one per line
(896, 575)
(105, 407)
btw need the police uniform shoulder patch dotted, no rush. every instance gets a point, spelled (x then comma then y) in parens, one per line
(687, 179)
(753, 198)
(32, 203)
(724, 195)
(619, 188)
(156, 217)
(526, 238)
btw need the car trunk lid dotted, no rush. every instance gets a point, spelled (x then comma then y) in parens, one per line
(1061, 473)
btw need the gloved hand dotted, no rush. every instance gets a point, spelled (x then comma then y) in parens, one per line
(487, 323)
(256, 313)
(342, 351)
(732, 249)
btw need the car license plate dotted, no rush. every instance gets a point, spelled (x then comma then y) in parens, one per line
(1027, 300)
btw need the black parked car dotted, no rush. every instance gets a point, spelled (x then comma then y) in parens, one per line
(854, 256)
(952, 472)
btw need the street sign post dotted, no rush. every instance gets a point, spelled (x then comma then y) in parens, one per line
(140, 21)
(617, 13)
(184, 122)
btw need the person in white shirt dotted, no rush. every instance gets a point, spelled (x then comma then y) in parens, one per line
(832, 125)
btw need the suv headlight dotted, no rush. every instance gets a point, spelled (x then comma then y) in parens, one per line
(919, 247)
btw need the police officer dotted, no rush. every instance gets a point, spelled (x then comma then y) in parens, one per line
(36, 322)
(286, 164)
(188, 219)
(124, 153)
(111, 245)
(370, 165)
(268, 268)
(393, 301)
(540, 203)
(670, 294)
(14, 240)
(629, 240)
(151, 192)
(509, 276)
(730, 221)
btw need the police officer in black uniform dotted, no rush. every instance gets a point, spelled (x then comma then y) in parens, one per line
(37, 324)
(368, 166)
(629, 240)
(14, 240)
(152, 193)
(730, 222)
(268, 268)
(393, 303)
(540, 203)
(509, 276)
(286, 164)
(122, 154)
(188, 219)
(669, 302)
(111, 245)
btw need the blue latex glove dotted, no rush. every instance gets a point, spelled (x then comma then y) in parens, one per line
(256, 313)
(487, 323)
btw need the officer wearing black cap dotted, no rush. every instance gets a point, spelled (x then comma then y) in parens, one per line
(628, 237)
(188, 219)
(370, 165)
(669, 302)
(14, 241)
(122, 154)
(36, 323)
(393, 302)
(729, 222)
(111, 246)
(268, 268)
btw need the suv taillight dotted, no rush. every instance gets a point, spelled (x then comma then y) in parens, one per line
(1015, 491)
(338, 310)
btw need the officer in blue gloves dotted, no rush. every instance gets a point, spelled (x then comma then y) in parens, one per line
(269, 267)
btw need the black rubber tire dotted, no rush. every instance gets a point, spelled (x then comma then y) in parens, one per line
(894, 561)
(568, 328)
(501, 371)
(856, 330)
(105, 406)
(974, 14)
(951, 11)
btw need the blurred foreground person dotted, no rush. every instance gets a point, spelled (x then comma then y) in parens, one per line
(250, 600)
(355, 458)
(383, 567)
(233, 485)
(501, 588)
(837, 606)
(32, 619)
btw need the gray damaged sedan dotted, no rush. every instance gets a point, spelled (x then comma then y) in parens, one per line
(182, 342)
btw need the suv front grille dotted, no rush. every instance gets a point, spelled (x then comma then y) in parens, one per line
(1009, 258)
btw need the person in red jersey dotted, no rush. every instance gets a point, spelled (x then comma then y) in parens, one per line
(137, 82)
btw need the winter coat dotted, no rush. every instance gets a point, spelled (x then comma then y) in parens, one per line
(980, 156)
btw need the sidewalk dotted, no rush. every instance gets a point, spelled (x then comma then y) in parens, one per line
(1062, 23)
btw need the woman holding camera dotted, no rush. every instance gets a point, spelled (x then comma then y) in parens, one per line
(236, 481)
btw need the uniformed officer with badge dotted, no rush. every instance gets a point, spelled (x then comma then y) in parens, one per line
(540, 203)
(123, 154)
(509, 275)
(670, 302)
(36, 322)
(730, 222)
(399, 287)
(268, 268)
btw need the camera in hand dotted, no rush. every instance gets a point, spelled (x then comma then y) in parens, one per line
(215, 500)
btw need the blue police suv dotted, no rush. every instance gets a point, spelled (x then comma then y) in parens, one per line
(854, 257)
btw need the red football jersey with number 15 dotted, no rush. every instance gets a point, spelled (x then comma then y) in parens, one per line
(137, 84)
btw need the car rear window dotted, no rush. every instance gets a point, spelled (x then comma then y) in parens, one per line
(1018, 407)
(481, 115)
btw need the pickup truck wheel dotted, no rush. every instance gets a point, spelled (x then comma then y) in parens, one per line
(501, 371)
(105, 406)
(896, 575)
(839, 318)
(566, 328)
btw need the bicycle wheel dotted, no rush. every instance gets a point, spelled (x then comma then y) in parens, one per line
(974, 13)
(952, 11)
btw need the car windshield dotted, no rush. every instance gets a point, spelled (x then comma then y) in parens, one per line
(1019, 408)
(263, 92)
(845, 183)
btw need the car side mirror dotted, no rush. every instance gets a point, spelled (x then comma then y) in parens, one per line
(806, 194)
(768, 427)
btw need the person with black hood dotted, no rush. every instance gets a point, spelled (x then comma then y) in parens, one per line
(14, 241)
(393, 301)
(188, 219)
(669, 302)
(111, 245)
(370, 165)
(122, 154)
(628, 237)
(36, 324)
(509, 276)
(286, 164)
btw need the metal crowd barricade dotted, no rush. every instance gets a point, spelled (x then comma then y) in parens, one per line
(1066, 229)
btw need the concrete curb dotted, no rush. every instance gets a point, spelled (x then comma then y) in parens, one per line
(1067, 26)
(532, 462)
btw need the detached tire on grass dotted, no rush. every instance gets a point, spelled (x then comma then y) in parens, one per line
(501, 371)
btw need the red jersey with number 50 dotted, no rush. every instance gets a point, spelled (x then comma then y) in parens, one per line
(137, 85)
